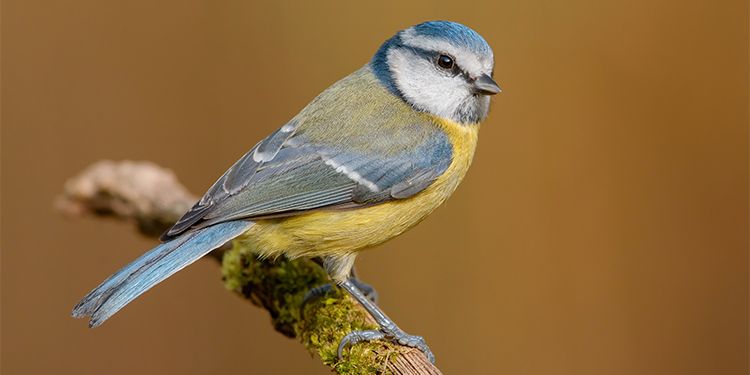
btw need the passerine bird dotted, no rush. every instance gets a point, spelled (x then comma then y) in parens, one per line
(369, 158)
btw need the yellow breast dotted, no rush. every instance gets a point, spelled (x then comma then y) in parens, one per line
(322, 233)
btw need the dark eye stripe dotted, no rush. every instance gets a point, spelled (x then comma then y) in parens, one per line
(432, 56)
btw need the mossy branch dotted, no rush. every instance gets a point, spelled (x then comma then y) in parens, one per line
(152, 198)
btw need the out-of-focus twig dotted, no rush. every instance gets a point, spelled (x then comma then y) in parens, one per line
(142, 192)
(151, 197)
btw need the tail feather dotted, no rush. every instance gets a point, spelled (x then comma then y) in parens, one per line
(152, 268)
(93, 299)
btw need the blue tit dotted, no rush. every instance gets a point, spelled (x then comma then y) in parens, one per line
(367, 159)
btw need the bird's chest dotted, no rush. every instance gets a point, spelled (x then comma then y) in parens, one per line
(332, 232)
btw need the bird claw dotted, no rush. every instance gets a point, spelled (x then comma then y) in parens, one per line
(355, 337)
(397, 335)
(315, 293)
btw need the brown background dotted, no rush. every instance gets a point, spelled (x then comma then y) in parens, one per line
(603, 228)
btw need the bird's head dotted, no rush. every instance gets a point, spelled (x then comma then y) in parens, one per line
(440, 67)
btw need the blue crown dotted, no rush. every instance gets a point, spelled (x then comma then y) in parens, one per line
(455, 33)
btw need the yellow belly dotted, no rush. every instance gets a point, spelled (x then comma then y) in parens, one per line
(339, 232)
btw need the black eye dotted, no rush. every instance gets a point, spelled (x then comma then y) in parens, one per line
(445, 62)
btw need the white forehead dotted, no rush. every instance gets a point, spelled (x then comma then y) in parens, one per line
(466, 58)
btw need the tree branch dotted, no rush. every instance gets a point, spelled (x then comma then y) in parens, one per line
(152, 198)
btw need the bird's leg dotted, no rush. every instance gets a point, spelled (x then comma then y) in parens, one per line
(341, 270)
(388, 329)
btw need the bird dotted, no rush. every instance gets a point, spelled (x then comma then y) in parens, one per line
(367, 159)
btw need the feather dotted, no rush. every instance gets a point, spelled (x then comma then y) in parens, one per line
(152, 268)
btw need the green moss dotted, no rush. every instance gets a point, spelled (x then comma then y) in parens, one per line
(327, 321)
(280, 285)
(277, 285)
(233, 269)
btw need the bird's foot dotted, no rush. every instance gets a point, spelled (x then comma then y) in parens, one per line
(393, 334)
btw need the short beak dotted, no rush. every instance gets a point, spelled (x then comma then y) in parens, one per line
(485, 85)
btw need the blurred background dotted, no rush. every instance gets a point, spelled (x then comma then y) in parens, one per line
(603, 228)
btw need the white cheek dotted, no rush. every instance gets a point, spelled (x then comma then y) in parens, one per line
(424, 86)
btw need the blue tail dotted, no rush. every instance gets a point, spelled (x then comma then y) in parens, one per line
(152, 268)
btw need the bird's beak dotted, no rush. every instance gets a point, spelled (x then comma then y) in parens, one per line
(485, 85)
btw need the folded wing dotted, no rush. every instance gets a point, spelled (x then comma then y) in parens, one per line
(295, 170)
